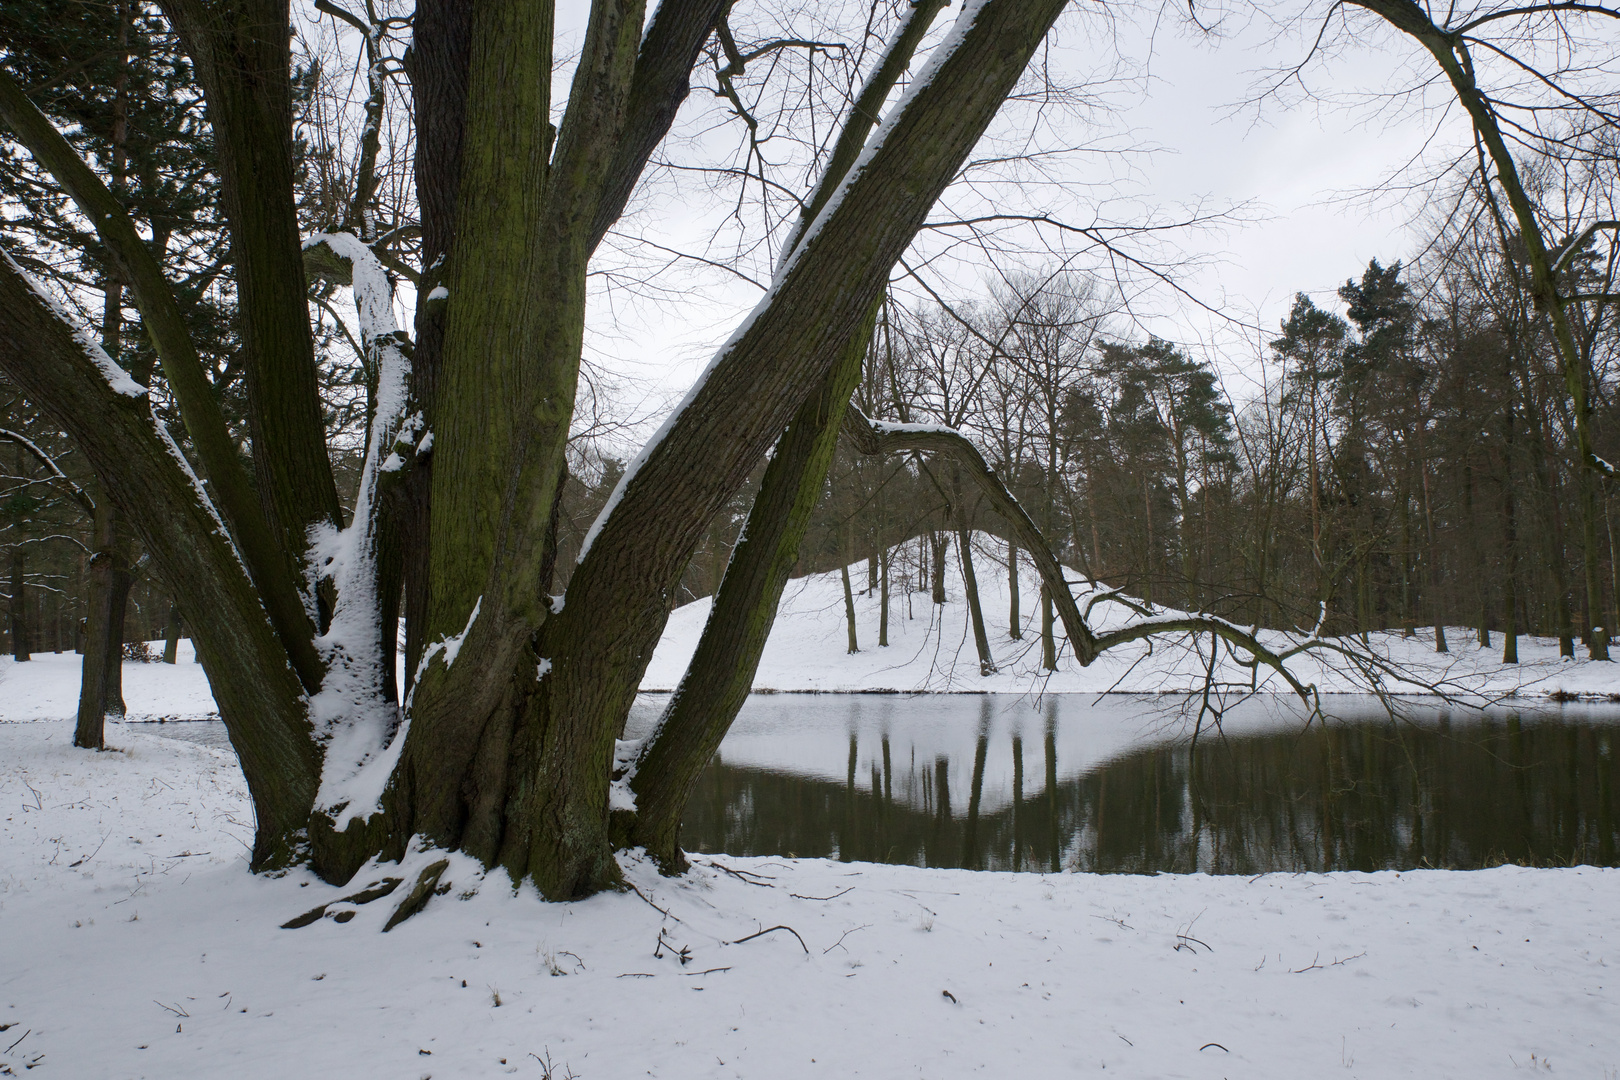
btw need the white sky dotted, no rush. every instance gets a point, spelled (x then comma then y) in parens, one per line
(1291, 164)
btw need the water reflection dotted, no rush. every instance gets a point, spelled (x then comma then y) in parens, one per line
(1118, 784)
(1439, 789)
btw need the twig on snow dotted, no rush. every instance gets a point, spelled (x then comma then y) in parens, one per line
(841, 938)
(772, 930)
(834, 896)
(662, 911)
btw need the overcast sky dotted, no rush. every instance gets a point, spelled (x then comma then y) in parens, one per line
(1292, 164)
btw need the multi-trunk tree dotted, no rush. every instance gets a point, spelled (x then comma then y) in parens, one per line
(506, 743)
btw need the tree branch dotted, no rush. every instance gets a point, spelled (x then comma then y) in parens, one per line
(76, 492)
(182, 368)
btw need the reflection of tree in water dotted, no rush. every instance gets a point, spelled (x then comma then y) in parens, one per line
(1343, 797)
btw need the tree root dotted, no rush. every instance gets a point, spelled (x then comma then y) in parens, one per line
(375, 891)
(427, 883)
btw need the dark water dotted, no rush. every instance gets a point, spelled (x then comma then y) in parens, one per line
(1008, 787)
(1121, 785)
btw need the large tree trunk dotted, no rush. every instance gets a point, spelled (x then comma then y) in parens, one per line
(509, 736)
(242, 52)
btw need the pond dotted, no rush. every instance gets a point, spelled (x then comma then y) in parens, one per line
(1132, 784)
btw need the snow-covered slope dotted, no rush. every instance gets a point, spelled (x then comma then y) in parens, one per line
(931, 649)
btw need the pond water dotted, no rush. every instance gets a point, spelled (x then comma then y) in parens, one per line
(1135, 785)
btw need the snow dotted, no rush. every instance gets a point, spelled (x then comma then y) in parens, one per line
(359, 726)
(931, 648)
(47, 687)
(134, 943)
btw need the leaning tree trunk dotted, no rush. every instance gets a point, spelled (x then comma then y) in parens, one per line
(970, 587)
(257, 690)
(722, 669)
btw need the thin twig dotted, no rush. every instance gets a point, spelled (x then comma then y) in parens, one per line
(773, 929)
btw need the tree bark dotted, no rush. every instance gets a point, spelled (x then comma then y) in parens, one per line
(19, 607)
(242, 53)
(1015, 618)
(259, 695)
(883, 600)
(970, 586)
(171, 636)
(717, 680)
(101, 678)
(849, 596)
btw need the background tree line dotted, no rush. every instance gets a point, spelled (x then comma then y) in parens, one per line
(1405, 456)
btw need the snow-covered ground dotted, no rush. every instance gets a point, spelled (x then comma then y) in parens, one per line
(133, 943)
(47, 687)
(930, 650)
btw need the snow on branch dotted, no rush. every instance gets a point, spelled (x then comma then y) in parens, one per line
(353, 714)
(116, 377)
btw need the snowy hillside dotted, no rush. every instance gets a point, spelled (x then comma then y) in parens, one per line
(931, 648)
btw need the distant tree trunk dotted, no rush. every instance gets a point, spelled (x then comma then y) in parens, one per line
(1048, 637)
(19, 608)
(1546, 472)
(1435, 607)
(1476, 554)
(849, 603)
(1015, 618)
(970, 586)
(938, 543)
(1407, 629)
(101, 681)
(883, 602)
(1147, 555)
(171, 636)
(871, 573)
(1510, 571)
